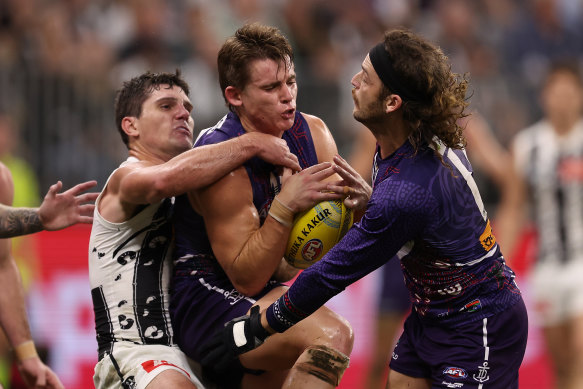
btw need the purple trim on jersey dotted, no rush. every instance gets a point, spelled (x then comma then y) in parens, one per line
(417, 201)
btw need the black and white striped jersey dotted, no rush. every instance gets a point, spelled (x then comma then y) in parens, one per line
(551, 165)
(129, 270)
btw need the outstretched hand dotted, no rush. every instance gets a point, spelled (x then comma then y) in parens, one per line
(352, 185)
(239, 335)
(37, 375)
(60, 210)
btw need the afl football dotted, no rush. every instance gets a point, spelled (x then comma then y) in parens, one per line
(315, 231)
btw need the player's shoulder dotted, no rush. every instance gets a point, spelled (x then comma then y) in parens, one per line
(131, 165)
(399, 197)
(412, 174)
(210, 135)
(322, 137)
(225, 129)
(314, 122)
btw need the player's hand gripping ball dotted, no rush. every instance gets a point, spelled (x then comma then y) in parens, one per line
(315, 231)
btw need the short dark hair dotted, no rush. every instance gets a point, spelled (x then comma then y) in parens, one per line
(130, 98)
(250, 42)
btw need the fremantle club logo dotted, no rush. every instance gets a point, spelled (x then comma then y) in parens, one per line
(312, 249)
(482, 373)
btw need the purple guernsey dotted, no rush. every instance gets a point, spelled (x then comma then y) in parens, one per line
(433, 220)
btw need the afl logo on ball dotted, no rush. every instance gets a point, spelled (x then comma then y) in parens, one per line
(312, 250)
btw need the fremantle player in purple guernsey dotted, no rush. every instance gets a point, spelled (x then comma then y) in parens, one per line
(231, 235)
(468, 325)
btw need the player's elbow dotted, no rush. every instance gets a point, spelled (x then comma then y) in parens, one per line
(160, 189)
(249, 273)
(247, 282)
(154, 194)
(248, 287)
(162, 186)
(143, 189)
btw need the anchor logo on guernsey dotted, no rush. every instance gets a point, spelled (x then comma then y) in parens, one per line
(482, 373)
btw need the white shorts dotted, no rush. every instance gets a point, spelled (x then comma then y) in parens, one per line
(558, 292)
(137, 365)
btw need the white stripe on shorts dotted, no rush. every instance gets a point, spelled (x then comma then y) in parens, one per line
(486, 348)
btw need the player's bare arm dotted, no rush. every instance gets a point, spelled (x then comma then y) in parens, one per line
(12, 313)
(512, 213)
(248, 253)
(12, 316)
(201, 167)
(57, 211)
(18, 221)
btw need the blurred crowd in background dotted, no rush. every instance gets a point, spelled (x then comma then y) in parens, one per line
(61, 62)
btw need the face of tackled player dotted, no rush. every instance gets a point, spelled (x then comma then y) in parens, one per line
(268, 101)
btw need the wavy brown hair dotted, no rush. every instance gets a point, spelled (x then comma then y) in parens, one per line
(439, 94)
(251, 42)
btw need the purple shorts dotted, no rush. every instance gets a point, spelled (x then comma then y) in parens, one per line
(395, 297)
(201, 305)
(482, 354)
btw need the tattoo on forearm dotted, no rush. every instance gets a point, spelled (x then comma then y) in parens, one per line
(19, 222)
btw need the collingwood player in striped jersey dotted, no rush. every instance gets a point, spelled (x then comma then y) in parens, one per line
(549, 160)
(131, 240)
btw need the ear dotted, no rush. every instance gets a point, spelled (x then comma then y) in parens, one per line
(128, 124)
(233, 96)
(392, 103)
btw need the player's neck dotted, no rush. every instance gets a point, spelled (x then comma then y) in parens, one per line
(390, 135)
(146, 155)
(250, 126)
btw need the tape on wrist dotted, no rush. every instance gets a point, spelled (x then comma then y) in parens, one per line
(281, 212)
(25, 350)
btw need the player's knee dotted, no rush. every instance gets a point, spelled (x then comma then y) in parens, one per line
(337, 334)
(323, 362)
